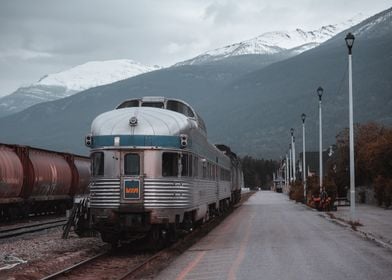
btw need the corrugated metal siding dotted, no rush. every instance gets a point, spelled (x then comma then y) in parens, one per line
(205, 192)
(11, 173)
(51, 174)
(105, 193)
(161, 193)
(224, 190)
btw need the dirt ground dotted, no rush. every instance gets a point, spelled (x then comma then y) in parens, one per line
(36, 255)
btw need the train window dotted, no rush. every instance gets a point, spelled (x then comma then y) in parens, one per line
(204, 163)
(97, 164)
(184, 165)
(225, 175)
(196, 167)
(128, 103)
(190, 161)
(189, 112)
(131, 164)
(170, 164)
(153, 104)
(174, 106)
(179, 107)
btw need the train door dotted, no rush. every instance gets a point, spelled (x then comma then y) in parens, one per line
(131, 177)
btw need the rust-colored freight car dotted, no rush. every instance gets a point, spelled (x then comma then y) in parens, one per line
(11, 176)
(39, 181)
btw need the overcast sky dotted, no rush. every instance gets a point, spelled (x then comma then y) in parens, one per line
(47, 36)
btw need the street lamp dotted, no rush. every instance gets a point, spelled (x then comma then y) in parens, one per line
(320, 92)
(350, 42)
(287, 170)
(293, 151)
(290, 163)
(303, 116)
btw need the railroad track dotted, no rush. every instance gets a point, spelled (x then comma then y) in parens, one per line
(29, 228)
(113, 265)
(118, 265)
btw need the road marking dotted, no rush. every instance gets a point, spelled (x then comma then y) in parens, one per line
(227, 226)
(191, 266)
(241, 252)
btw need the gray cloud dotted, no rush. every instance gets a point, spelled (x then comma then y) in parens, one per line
(44, 36)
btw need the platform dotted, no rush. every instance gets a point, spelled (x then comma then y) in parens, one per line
(270, 237)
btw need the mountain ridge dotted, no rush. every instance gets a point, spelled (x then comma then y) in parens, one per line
(245, 106)
(68, 82)
(275, 42)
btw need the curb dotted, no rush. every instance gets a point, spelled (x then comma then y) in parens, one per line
(367, 235)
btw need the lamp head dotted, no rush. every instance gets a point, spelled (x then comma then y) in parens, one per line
(349, 41)
(303, 117)
(320, 92)
(292, 131)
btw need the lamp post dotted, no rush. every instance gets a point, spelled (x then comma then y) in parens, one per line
(350, 42)
(293, 151)
(294, 165)
(320, 94)
(290, 163)
(303, 116)
(287, 170)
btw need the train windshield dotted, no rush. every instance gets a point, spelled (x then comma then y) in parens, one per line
(180, 107)
(153, 104)
(128, 103)
(97, 164)
(131, 164)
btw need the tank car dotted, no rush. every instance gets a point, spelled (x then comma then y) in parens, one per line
(154, 171)
(39, 181)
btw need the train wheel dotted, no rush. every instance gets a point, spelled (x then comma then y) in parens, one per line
(111, 238)
(25, 211)
(13, 213)
(173, 234)
(157, 237)
(187, 224)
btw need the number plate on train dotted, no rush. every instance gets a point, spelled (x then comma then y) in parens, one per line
(131, 189)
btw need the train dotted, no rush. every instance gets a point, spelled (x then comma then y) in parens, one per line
(39, 181)
(154, 172)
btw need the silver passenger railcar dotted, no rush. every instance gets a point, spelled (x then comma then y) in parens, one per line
(154, 171)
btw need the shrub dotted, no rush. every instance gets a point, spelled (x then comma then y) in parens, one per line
(297, 191)
(373, 161)
(383, 190)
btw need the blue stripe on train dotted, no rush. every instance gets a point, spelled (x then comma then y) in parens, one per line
(137, 140)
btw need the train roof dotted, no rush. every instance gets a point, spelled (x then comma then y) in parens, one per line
(161, 102)
(31, 148)
(226, 150)
(141, 121)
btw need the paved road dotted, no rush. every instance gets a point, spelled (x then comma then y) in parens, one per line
(270, 237)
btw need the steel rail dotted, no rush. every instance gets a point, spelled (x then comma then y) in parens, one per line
(75, 266)
(140, 266)
(194, 235)
(19, 230)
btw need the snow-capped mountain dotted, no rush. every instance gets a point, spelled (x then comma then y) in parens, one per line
(71, 81)
(297, 41)
(95, 73)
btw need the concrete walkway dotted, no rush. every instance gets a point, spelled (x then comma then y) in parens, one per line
(270, 237)
(376, 221)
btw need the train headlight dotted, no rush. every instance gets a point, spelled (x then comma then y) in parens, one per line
(88, 140)
(184, 140)
(133, 121)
